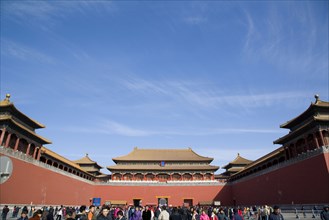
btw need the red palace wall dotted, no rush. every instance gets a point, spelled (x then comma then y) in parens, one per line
(30, 183)
(305, 182)
(150, 194)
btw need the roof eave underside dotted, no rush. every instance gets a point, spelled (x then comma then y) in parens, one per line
(159, 160)
(25, 130)
(299, 131)
(307, 113)
(14, 111)
(261, 160)
(63, 159)
(213, 168)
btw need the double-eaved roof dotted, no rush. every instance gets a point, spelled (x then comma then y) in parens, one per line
(87, 161)
(237, 162)
(10, 115)
(316, 114)
(162, 160)
(163, 155)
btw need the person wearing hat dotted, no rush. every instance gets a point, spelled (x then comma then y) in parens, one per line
(276, 214)
(325, 213)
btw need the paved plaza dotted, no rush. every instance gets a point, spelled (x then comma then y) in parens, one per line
(287, 216)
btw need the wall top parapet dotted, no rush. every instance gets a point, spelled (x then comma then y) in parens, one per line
(28, 159)
(299, 158)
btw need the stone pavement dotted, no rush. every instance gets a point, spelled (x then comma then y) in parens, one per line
(287, 216)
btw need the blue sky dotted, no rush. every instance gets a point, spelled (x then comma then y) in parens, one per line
(217, 76)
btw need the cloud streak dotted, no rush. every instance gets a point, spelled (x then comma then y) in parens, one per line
(22, 52)
(115, 128)
(273, 40)
(206, 95)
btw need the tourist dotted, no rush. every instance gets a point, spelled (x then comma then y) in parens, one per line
(36, 215)
(104, 214)
(138, 213)
(236, 215)
(120, 215)
(69, 214)
(157, 213)
(325, 213)
(195, 215)
(213, 215)
(175, 215)
(152, 212)
(4, 213)
(146, 213)
(221, 214)
(50, 215)
(24, 215)
(204, 215)
(91, 214)
(164, 215)
(276, 214)
(25, 209)
(82, 213)
(15, 211)
(59, 213)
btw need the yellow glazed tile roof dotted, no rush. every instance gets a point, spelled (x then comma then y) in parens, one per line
(162, 155)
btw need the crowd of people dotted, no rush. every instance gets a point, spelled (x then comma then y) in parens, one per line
(108, 212)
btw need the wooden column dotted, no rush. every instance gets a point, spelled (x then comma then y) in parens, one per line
(39, 154)
(16, 144)
(28, 149)
(287, 153)
(35, 151)
(316, 140)
(322, 139)
(306, 143)
(2, 135)
(8, 140)
(295, 149)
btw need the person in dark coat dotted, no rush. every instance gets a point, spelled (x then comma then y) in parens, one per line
(175, 215)
(4, 213)
(50, 215)
(146, 213)
(36, 215)
(120, 216)
(23, 215)
(276, 214)
(104, 214)
(325, 213)
(82, 213)
(70, 214)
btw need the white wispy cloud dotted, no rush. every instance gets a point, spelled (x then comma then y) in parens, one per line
(273, 39)
(207, 95)
(111, 127)
(50, 13)
(22, 52)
